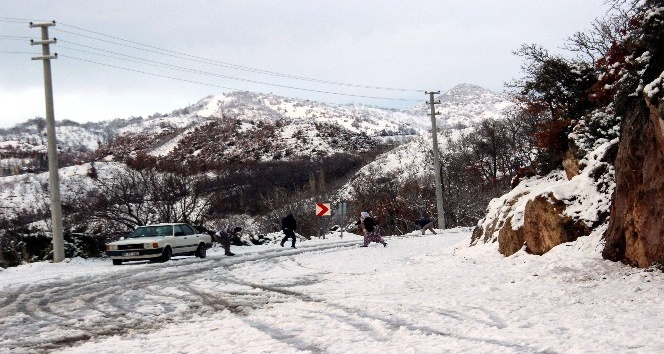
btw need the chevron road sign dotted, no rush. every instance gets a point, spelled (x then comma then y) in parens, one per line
(323, 209)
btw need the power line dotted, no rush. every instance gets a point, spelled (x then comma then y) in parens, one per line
(201, 72)
(14, 20)
(21, 38)
(125, 57)
(146, 73)
(179, 55)
(221, 63)
(17, 52)
(236, 89)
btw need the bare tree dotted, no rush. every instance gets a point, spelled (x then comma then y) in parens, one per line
(178, 197)
(122, 199)
(604, 33)
(276, 203)
(132, 198)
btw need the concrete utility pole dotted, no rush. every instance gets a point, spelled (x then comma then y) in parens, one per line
(436, 160)
(54, 179)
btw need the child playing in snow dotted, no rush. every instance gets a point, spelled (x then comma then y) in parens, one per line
(371, 232)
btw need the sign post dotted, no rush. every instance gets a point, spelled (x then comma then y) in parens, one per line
(323, 209)
(342, 213)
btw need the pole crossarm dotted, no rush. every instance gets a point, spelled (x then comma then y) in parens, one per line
(46, 57)
(42, 24)
(48, 41)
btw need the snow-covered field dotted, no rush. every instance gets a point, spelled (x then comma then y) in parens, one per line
(420, 294)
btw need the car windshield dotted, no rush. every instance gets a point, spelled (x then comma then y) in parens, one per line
(149, 231)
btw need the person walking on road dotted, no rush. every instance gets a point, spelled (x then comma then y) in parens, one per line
(425, 224)
(288, 226)
(371, 230)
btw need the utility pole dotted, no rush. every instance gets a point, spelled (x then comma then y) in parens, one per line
(436, 160)
(54, 179)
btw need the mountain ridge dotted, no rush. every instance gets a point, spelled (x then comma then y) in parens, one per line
(286, 126)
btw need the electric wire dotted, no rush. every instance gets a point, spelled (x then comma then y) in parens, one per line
(18, 52)
(133, 59)
(18, 38)
(161, 51)
(223, 64)
(13, 20)
(232, 88)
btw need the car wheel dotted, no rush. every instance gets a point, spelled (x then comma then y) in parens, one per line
(201, 251)
(166, 255)
(117, 262)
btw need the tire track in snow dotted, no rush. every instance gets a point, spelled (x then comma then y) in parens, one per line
(96, 308)
(365, 321)
(85, 305)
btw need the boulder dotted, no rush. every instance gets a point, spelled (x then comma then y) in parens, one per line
(545, 226)
(542, 212)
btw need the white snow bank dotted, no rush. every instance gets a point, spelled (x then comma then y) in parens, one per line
(420, 294)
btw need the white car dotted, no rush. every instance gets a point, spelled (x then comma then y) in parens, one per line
(158, 243)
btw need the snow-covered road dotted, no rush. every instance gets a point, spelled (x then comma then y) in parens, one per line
(421, 294)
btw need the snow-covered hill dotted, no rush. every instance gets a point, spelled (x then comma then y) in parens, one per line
(356, 118)
(225, 129)
(286, 127)
(465, 105)
(28, 192)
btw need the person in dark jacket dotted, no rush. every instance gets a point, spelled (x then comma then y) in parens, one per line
(288, 226)
(371, 230)
(425, 224)
(225, 236)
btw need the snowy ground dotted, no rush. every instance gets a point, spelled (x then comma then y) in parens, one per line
(420, 294)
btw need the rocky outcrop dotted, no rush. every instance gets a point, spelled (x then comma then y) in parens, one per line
(501, 211)
(545, 226)
(636, 231)
(541, 213)
(571, 164)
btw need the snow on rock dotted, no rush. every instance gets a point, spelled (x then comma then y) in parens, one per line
(582, 201)
(655, 87)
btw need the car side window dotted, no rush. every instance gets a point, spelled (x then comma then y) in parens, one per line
(188, 230)
(179, 231)
(163, 230)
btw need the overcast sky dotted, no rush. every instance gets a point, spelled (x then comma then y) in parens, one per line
(198, 48)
